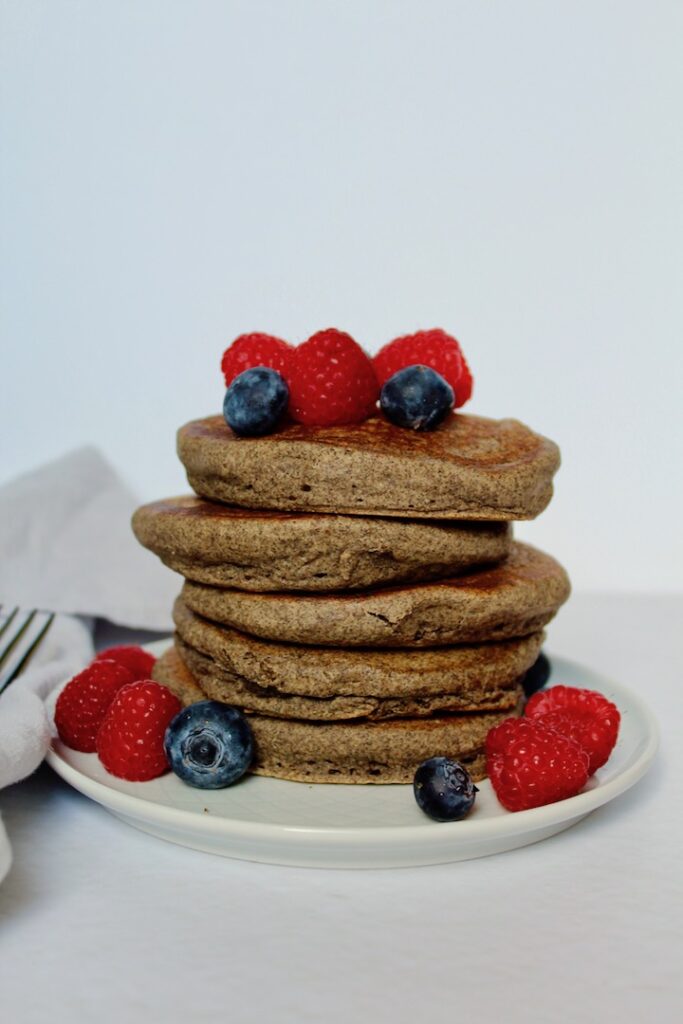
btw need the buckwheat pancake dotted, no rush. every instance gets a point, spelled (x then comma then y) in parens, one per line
(368, 752)
(223, 685)
(468, 468)
(269, 551)
(517, 597)
(362, 682)
(353, 752)
(170, 670)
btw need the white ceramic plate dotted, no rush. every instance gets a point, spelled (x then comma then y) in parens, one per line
(296, 823)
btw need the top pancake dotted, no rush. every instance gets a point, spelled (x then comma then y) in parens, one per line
(468, 468)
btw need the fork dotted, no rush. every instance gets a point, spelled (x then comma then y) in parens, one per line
(21, 634)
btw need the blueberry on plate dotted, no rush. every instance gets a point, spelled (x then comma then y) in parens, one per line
(417, 397)
(443, 789)
(255, 401)
(537, 676)
(209, 745)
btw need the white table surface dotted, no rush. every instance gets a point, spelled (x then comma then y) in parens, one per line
(101, 922)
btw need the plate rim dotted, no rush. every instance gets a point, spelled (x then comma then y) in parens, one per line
(468, 830)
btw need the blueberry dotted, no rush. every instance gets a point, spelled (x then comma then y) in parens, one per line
(209, 745)
(537, 676)
(444, 789)
(417, 397)
(255, 401)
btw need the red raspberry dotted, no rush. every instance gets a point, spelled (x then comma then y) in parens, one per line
(255, 350)
(463, 389)
(138, 662)
(530, 766)
(83, 703)
(331, 381)
(432, 348)
(585, 716)
(130, 743)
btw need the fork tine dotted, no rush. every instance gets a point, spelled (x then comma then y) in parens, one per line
(21, 627)
(15, 669)
(10, 617)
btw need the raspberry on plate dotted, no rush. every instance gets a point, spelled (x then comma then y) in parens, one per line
(130, 742)
(84, 701)
(585, 716)
(251, 350)
(138, 662)
(530, 766)
(331, 381)
(433, 348)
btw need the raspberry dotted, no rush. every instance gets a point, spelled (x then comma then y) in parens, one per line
(138, 662)
(331, 381)
(432, 348)
(130, 742)
(84, 701)
(463, 392)
(530, 766)
(255, 350)
(585, 716)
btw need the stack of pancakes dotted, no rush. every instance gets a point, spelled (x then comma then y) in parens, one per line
(356, 590)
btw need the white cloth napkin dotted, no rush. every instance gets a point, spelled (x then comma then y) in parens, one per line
(26, 707)
(66, 546)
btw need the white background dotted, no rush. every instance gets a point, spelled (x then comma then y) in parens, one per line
(175, 173)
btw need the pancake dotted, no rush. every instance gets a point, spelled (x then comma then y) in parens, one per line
(468, 468)
(170, 671)
(223, 685)
(278, 672)
(354, 752)
(368, 752)
(270, 551)
(515, 598)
